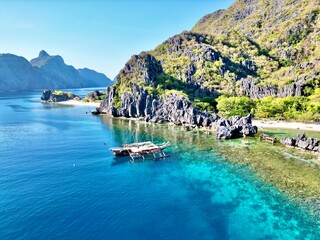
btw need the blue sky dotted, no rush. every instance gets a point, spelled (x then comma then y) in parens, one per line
(98, 34)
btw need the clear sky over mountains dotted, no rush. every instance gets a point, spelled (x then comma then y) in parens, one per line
(99, 34)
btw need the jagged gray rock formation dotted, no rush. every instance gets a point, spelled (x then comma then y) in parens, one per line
(249, 87)
(192, 55)
(171, 108)
(138, 103)
(235, 127)
(143, 67)
(302, 142)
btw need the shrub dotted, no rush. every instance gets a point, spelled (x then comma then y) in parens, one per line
(296, 108)
(230, 106)
(176, 92)
(206, 103)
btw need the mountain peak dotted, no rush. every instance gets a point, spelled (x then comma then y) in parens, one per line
(43, 54)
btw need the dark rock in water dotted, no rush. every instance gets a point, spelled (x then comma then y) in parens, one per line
(235, 127)
(107, 105)
(224, 133)
(233, 120)
(46, 94)
(303, 142)
(301, 137)
(249, 130)
(174, 108)
(58, 96)
(288, 141)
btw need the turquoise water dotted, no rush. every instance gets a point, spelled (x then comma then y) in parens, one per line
(59, 181)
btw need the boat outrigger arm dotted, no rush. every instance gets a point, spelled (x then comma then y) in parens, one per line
(141, 150)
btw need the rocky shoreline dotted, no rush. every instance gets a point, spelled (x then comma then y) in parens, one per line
(174, 108)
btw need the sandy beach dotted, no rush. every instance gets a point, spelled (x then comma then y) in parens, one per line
(286, 125)
(79, 103)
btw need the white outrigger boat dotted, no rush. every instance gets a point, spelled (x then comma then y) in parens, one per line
(141, 150)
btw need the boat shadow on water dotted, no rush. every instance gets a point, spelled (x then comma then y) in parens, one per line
(127, 159)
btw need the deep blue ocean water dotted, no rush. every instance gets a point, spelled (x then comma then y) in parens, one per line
(59, 181)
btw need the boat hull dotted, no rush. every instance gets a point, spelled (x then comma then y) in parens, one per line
(141, 150)
(121, 154)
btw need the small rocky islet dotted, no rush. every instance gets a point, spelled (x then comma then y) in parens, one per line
(55, 96)
(58, 96)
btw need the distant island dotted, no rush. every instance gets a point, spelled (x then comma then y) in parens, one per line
(45, 72)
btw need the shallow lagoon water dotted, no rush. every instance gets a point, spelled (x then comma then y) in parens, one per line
(59, 181)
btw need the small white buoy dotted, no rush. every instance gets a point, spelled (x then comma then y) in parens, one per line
(74, 165)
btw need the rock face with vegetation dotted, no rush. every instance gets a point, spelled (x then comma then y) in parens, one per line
(235, 127)
(248, 87)
(58, 96)
(45, 71)
(95, 96)
(172, 107)
(255, 48)
(283, 32)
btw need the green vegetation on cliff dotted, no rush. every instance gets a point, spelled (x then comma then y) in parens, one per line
(61, 93)
(296, 108)
(230, 106)
(95, 96)
(285, 30)
(257, 48)
(275, 25)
